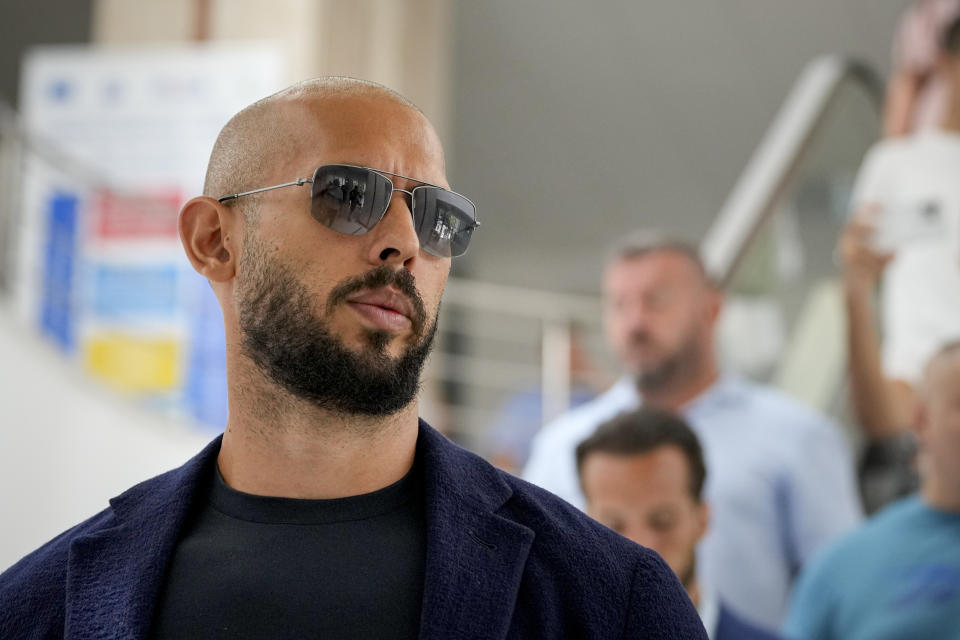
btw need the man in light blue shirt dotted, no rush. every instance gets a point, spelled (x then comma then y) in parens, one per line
(782, 482)
(898, 576)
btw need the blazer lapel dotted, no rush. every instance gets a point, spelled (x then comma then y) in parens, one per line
(475, 558)
(114, 575)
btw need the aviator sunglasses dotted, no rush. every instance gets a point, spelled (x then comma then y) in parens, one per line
(352, 200)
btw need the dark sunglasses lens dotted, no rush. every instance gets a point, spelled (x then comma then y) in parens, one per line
(350, 200)
(444, 221)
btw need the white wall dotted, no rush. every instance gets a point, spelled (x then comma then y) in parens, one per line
(66, 444)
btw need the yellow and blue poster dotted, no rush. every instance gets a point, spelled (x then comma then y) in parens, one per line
(101, 272)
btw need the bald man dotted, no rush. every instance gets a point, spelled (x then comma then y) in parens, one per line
(898, 576)
(327, 508)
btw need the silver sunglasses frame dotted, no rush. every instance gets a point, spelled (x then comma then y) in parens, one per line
(299, 182)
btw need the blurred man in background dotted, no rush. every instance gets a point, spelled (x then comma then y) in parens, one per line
(898, 576)
(327, 509)
(905, 232)
(642, 474)
(781, 478)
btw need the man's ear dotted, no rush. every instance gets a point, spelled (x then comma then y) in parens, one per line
(920, 417)
(714, 307)
(209, 236)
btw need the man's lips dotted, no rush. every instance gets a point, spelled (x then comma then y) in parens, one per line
(384, 308)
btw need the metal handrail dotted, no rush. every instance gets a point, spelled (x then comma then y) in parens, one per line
(751, 201)
(767, 174)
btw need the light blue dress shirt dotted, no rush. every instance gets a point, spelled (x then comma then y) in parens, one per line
(780, 483)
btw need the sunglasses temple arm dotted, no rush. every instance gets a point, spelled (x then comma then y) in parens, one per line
(299, 182)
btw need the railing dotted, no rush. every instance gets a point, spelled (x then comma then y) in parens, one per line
(496, 339)
(807, 309)
(771, 245)
(487, 331)
(764, 180)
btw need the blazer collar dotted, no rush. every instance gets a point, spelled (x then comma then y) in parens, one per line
(475, 557)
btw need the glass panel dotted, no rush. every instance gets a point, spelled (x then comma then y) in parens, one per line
(784, 319)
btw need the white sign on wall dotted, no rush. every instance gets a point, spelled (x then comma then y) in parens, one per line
(101, 271)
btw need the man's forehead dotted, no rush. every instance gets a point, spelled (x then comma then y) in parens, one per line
(345, 129)
(356, 113)
(651, 461)
(663, 263)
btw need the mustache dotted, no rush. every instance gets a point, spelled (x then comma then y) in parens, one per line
(378, 277)
(641, 338)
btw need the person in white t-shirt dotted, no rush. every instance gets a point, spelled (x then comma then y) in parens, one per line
(906, 232)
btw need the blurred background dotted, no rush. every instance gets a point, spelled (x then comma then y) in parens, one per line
(737, 124)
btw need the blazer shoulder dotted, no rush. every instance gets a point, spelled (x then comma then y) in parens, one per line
(598, 569)
(563, 535)
(33, 591)
(570, 535)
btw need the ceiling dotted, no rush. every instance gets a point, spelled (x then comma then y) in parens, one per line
(574, 122)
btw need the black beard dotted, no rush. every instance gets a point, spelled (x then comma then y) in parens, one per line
(672, 370)
(296, 351)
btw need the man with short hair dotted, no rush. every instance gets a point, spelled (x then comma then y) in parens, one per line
(642, 474)
(327, 509)
(781, 479)
(898, 576)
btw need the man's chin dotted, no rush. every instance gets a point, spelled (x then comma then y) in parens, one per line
(379, 345)
(645, 369)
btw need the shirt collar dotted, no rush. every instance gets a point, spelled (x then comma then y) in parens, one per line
(709, 610)
(725, 389)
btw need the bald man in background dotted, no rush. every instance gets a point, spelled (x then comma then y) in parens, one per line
(898, 576)
(327, 508)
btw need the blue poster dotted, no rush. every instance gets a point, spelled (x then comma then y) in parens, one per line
(57, 313)
(133, 291)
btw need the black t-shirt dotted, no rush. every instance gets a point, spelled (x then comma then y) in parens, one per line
(256, 567)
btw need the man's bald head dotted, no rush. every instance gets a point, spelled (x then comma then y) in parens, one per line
(644, 243)
(250, 143)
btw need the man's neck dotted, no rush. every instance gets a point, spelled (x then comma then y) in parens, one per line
(941, 495)
(693, 592)
(673, 396)
(278, 445)
(950, 121)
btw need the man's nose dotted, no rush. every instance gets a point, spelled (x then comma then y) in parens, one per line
(636, 317)
(394, 239)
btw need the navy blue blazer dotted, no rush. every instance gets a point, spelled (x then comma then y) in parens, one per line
(731, 627)
(504, 559)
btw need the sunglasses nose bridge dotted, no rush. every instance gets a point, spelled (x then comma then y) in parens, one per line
(406, 192)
